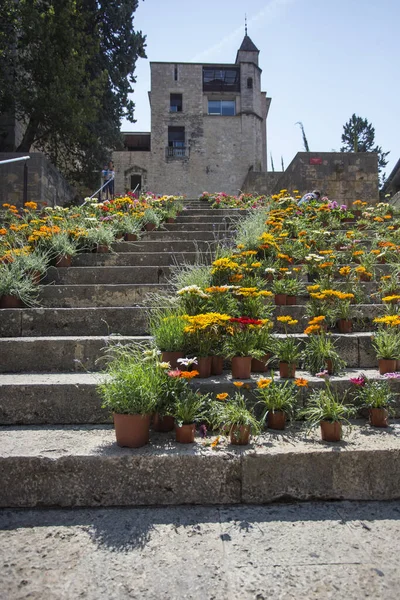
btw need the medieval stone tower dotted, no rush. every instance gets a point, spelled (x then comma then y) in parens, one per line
(208, 128)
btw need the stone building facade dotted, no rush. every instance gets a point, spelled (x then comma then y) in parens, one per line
(208, 129)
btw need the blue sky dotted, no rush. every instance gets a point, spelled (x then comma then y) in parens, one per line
(322, 61)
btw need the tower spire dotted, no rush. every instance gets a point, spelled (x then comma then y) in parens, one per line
(245, 24)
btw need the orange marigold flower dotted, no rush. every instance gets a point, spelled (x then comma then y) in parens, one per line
(189, 374)
(264, 382)
(301, 382)
(312, 329)
(222, 396)
(238, 384)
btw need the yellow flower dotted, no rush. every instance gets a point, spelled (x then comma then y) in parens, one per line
(284, 319)
(222, 396)
(301, 382)
(264, 382)
(238, 384)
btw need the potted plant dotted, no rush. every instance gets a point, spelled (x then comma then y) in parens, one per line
(343, 311)
(279, 287)
(293, 289)
(62, 248)
(188, 409)
(241, 345)
(320, 353)
(325, 409)
(377, 397)
(386, 343)
(100, 238)
(130, 391)
(34, 264)
(174, 387)
(234, 418)
(286, 349)
(16, 288)
(168, 331)
(278, 400)
(202, 331)
(151, 219)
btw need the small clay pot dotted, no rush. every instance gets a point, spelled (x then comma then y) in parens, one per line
(171, 220)
(287, 370)
(102, 249)
(331, 431)
(291, 300)
(130, 237)
(241, 367)
(9, 301)
(345, 325)
(150, 226)
(387, 365)
(260, 366)
(378, 417)
(217, 365)
(163, 424)
(329, 366)
(204, 366)
(239, 435)
(276, 419)
(172, 358)
(132, 431)
(185, 433)
(63, 261)
(280, 299)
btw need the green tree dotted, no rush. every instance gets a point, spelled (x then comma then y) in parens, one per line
(66, 71)
(359, 136)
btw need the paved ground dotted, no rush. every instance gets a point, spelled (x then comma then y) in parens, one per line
(344, 550)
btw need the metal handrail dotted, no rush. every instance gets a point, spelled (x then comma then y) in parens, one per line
(11, 160)
(103, 186)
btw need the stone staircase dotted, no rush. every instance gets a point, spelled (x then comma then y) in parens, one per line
(57, 444)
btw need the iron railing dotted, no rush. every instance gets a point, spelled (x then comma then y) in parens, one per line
(177, 151)
(25, 187)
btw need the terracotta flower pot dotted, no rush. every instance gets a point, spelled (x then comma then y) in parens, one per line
(329, 366)
(386, 365)
(171, 220)
(276, 419)
(345, 325)
(63, 261)
(204, 366)
(239, 435)
(397, 365)
(291, 300)
(287, 370)
(130, 237)
(185, 433)
(172, 358)
(36, 277)
(378, 417)
(241, 367)
(280, 299)
(331, 431)
(8, 301)
(260, 366)
(163, 424)
(150, 226)
(217, 365)
(132, 431)
(102, 249)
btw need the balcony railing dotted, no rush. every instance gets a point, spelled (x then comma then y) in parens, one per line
(177, 151)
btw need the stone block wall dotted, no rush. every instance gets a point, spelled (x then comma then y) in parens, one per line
(45, 183)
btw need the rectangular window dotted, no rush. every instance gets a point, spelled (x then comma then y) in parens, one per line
(226, 108)
(220, 79)
(175, 103)
(176, 142)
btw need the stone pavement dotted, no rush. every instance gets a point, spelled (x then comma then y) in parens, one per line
(342, 550)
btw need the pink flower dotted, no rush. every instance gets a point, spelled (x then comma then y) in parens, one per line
(174, 373)
(392, 375)
(322, 374)
(360, 380)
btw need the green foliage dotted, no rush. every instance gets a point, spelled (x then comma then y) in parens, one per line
(14, 282)
(375, 394)
(386, 343)
(190, 408)
(325, 405)
(286, 349)
(132, 384)
(278, 396)
(320, 348)
(66, 71)
(167, 329)
(233, 412)
(250, 229)
(359, 136)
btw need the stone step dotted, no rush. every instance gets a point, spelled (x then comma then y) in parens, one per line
(195, 227)
(71, 398)
(190, 245)
(59, 354)
(87, 295)
(137, 259)
(218, 212)
(34, 322)
(83, 466)
(205, 236)
(108, 275)
(206, 218)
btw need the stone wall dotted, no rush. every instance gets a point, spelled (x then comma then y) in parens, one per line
(45, 183)
(341, 176)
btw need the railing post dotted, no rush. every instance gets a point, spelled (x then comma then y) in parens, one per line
(25, 192)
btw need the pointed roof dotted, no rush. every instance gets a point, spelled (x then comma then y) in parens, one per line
(248, 45)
